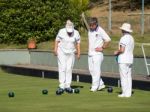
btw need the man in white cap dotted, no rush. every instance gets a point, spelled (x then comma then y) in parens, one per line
(98, 41)
(66, 44)
(125, 59)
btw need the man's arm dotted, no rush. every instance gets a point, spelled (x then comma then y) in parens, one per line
(78, 50)
(56, 47)
(120, 50)
(105, 45)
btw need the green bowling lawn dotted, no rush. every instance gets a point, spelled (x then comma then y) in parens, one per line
(29, 97)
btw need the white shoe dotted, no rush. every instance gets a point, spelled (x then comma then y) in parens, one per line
(93, 90)
(127, 96)
(121, 95)
(101, 87)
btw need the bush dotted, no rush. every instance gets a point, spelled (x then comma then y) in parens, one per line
(22, 19)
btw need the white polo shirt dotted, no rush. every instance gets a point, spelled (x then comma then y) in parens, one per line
(67, 44)
(126, 41)
(97, 39)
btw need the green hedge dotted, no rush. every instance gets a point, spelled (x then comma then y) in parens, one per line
(23, 19)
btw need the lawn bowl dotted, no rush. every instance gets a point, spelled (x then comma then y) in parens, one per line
(11, 94)
(69, 90)
(45, 91)
(58, 92)
(77, 91)
(110, 90)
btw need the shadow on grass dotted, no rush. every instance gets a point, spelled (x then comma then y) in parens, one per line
(121, 92)
(76, 86)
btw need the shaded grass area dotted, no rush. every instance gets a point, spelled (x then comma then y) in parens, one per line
(29, 98)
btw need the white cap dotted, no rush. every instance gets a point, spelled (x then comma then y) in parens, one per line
(69, 26)
(126, 27)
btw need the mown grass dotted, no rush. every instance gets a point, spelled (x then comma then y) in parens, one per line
(29, 98)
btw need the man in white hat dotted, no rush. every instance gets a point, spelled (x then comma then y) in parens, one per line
(125, 59)
(98, 41)
(66, 44)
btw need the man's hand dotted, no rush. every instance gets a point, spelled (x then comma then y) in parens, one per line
(121, 50)
(99, 49)
(116, 53)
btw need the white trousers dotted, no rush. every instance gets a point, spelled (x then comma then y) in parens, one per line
(95, 62)
(65, 66)
(126, 79)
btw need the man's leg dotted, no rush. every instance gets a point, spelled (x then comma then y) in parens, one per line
(91, 69)
(101, 82)
(70, 63)
(95, 71)
(128, 92)
(62, 68)
(124, 69)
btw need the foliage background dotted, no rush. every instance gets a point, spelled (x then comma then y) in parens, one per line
(23, 19)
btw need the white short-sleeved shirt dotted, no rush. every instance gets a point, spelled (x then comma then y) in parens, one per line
(97, 39)
(126, 41)
(67, 44)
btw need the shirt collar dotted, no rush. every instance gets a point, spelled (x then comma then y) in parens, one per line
(126, 33)
(96, 29)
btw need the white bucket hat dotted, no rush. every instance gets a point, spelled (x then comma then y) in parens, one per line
(126, 27)
(69, 26)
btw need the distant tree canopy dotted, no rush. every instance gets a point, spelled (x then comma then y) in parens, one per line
(137, 4)
(23, 19)
(121, 5)
(129, 4)
(140, 1)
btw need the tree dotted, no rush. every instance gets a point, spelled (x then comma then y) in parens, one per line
(23, 19)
